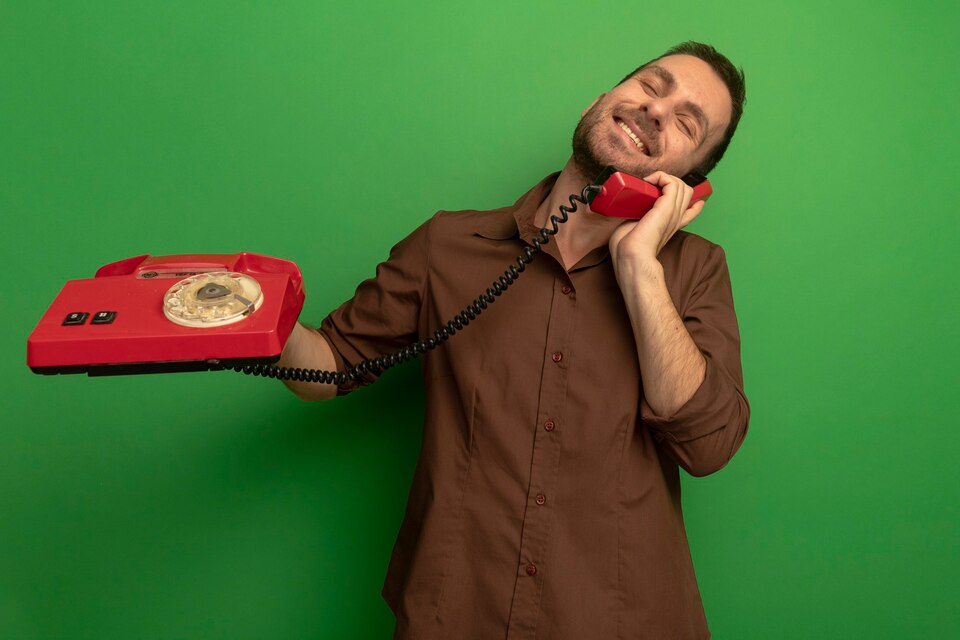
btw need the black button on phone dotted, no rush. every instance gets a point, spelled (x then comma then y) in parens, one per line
(77, 317)
(103, 317)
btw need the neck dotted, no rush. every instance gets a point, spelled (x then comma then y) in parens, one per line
(585, 230)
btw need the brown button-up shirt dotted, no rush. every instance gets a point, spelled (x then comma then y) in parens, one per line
(546, 502)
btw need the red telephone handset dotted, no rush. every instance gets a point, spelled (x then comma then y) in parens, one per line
(625, 196)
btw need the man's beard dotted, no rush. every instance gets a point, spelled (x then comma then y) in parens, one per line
(591, 156)
(585, 156)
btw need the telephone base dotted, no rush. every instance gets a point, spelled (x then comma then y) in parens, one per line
(134, 368)
(168, 314)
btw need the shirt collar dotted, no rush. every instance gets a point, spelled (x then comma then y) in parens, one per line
(516, 219)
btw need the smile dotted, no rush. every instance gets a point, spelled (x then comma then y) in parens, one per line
(626, 129)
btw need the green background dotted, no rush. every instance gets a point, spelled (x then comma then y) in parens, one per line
(209, 505)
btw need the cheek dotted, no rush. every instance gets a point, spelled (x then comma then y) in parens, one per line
(682, 147)
(594, 121)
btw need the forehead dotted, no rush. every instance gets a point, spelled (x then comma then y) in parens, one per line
(696, 81)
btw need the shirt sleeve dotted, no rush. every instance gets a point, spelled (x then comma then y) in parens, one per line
(383, 314)
(703, 435)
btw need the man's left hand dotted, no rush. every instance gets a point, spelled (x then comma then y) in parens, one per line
(642, 240)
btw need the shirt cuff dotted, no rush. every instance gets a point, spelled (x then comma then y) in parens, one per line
(348, 385)
(704, 413)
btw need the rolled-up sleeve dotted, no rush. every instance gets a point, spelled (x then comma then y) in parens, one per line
(705, 433)
(383, 314)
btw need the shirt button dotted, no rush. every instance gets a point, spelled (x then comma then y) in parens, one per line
(549, 425)
(541, 499)
(557, 356)
(531, 569)
(565, 290)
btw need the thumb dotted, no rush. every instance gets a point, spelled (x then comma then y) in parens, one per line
(619, 233)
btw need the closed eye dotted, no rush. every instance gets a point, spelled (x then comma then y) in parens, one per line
(648, 88)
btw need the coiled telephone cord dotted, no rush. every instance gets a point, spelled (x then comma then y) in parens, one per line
(380, 364)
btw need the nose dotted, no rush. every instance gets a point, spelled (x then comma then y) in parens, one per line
(656, 112)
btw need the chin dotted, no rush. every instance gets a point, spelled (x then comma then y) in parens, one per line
(592, 153)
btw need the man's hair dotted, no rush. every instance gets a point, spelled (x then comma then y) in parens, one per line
(732, 77)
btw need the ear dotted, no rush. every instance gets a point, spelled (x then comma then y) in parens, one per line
(595, 101)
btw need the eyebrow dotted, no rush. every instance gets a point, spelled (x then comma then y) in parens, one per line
(668, 80)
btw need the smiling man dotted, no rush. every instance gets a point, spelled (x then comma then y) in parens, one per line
(546, 502)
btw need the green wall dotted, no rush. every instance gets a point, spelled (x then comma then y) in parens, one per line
(208, 505)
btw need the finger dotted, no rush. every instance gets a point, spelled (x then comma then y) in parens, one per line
(618, 235)
(682, 217)
(686, 196)
(673, 189)
(661, 178)
(670, 186)
(681, 203)
(621, 231)
(691, 213)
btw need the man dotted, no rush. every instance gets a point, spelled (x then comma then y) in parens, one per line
(546, 502)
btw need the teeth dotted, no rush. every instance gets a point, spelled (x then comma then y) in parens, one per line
(632, 135)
